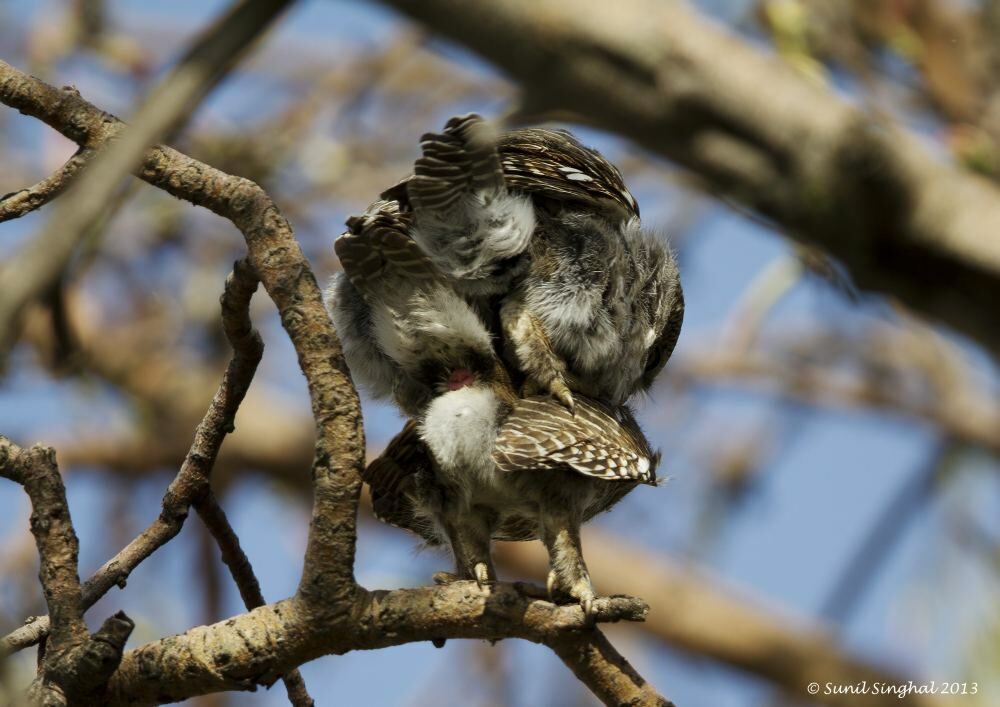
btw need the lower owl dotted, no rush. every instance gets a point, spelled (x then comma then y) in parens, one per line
(549, 472)
(476, 462)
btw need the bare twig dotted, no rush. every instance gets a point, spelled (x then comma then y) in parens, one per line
(34, 269)
(57, 545)
(282, 268)
(75, 664)
(214, 517)
(24, 201)
(192, 479)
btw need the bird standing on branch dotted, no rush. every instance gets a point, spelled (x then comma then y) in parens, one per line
(542, 261)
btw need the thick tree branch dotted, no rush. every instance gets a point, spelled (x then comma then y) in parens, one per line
(600, 667)
(903, 223)
(254, 648)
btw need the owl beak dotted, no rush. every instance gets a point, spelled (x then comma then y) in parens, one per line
(460, 378)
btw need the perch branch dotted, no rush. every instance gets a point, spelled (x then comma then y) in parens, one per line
(267, 641)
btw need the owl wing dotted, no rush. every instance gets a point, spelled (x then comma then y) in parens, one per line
(391, 479)
(596, 440)
(460, 159)
(555, 165)
(535, 161)
(380, 258)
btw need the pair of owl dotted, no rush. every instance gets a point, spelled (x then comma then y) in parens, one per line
(506, 297)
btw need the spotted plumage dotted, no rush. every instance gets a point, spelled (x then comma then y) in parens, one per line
(589, 301)
(506, 297)
(600, 452)
(595, 440)
(552, 164)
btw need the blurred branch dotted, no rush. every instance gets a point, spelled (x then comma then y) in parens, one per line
(957, 408)
(34, 269)
(696, 615)
(903, 223)
(24, 201)
(887, 530)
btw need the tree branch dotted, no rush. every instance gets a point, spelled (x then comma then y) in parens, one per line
(283, 270)
(698, 615)
(215, 520)
(192, 479)
(24, 201)
(902, 222)
(34, 269)
(254, 648)
(75, 664)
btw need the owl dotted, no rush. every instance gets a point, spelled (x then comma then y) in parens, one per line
(549, 472)
(542, 231)
(476, 461)
(406, 333)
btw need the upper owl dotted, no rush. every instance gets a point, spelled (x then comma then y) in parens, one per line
(535, 227)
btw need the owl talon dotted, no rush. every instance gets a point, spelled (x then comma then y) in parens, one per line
(482, 575)
(581, 590)
(560, 391)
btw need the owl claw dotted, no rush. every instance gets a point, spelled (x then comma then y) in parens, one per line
(581, 590)
(482, 575)
(560, 391)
